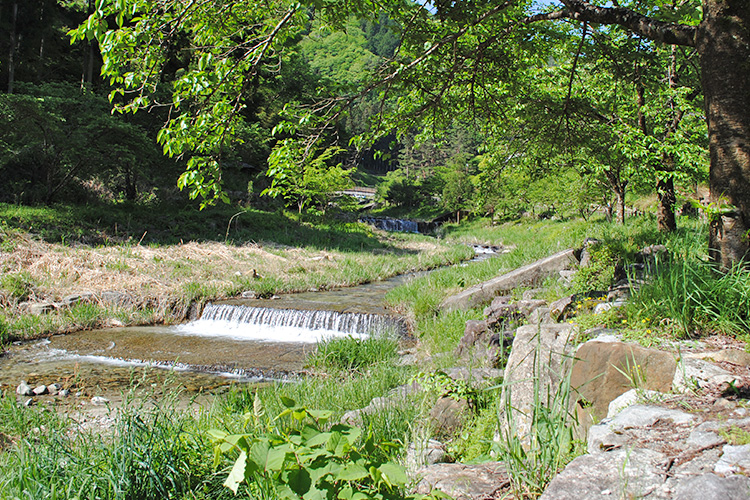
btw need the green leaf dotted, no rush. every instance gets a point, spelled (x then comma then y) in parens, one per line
(393, 474)
(288, 402)
(319, 439)
(352, 472)
(299, 480)
(237, 474)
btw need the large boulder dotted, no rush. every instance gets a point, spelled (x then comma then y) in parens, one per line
(536, 366)
(464, 481)
(523, 276)
(602, 371)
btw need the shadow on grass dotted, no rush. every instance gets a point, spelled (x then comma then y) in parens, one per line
(171, 224)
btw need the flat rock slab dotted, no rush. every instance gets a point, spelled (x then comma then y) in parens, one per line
(647, 451)
(464, 482)
(523, 276)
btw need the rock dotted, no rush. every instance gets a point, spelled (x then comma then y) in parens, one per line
(712, 487)
(77, 298)
(566, 276)
(526, 307)
(692, 373)
(608, 306)
(652, 255)
(424, 453)
(602, 371)
(448, 415)
(475, 376)
(40, 390)
(540, 315)
(621, 473)
(734, 460)
(463, 481)
(115, 298)
(608, 434)
(64, 393)
(734, 356)
(54, 389)
(619, 294)
(28, 402)
(41, 308)
(586, 251)
(24, 389)
(539, 357)
(502, 314)
(475, 332)
(632, 397)
(532, 294)
(561, 308)
(248, 294)
(99, 401)
(523, 276)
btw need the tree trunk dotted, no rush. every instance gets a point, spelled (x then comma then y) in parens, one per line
(620, 206)
(12, 49)
(665, 213)
(723, 43)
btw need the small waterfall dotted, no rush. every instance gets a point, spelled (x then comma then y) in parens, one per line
(288, 325)
(393, 225)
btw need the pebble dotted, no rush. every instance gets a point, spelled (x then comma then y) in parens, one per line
(99, 401)
(64, 393)
(39, 390)
(24, 389)
(29, 402)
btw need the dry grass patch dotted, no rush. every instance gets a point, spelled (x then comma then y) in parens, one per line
(166, 279)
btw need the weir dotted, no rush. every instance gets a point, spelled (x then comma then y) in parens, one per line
(288, 325)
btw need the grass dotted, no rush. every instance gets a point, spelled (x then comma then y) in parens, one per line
(349, 353)
(159, 450)
(166, 272)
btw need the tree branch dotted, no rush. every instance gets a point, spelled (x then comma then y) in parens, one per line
(670, 33)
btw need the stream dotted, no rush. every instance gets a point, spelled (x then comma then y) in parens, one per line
(238, 340)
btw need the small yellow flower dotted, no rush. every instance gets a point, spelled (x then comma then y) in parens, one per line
(648, 331)
(643, 321)
(579, 306)
(624, 321)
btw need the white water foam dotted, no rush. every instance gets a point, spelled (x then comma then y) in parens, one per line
(262, 333)
(62, 355)
(284, 325)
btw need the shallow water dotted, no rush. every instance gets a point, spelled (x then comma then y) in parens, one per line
(196, 357)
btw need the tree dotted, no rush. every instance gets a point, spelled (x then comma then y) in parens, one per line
(460, 53)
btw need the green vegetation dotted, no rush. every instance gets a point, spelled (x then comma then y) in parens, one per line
(301, 457)
(349, 353)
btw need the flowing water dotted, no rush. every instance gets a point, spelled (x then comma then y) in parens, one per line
(241, 340)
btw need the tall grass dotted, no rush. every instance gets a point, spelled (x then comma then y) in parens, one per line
(349, 353)
(152, 451)
(696, 298)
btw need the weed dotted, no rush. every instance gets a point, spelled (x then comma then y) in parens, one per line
(735, 436)
(600, 272)
(18, 286)
(533, 462)
(299, 457)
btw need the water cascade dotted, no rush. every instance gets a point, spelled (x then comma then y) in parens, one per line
(287, 325)
(392, 225)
